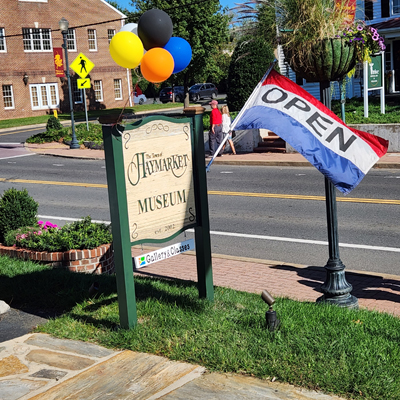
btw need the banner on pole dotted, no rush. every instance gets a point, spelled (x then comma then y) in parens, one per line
(58, 62)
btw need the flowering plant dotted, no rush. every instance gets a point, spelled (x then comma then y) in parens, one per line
(23, 237)
(366, 39)
(81, 234)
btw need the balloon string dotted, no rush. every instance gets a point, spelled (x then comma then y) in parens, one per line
(130, 95)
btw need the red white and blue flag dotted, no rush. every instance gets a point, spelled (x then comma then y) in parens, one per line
(342, 154)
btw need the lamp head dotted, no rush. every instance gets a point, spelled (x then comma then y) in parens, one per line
(63, 23)
(266, 296)
(25, 78)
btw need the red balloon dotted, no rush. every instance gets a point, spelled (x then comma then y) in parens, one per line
(157, 65)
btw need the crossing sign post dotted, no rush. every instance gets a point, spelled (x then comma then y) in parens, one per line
(82, 65)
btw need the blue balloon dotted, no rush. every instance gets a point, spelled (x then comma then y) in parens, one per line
(181, 52)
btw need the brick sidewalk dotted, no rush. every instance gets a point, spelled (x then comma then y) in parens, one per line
(379, 292)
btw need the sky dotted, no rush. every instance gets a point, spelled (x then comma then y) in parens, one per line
(224, 3)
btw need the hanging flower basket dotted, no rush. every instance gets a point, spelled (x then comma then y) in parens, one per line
(329, 60)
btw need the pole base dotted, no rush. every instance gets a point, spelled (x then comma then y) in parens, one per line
(346, 301)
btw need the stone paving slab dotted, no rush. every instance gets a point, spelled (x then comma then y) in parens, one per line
(128, 375)
(34, 363)
(239, 387)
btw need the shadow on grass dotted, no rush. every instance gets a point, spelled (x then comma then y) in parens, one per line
(365, 286)
(49, 293)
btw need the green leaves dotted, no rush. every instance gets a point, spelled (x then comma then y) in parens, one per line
(17, 209)
(82, 234)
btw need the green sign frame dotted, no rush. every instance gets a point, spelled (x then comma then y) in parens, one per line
(117, 193)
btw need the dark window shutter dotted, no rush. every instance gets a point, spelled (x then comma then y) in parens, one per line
(385, 7)
(369, 9)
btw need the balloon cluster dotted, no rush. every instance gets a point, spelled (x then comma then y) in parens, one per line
(165, 54)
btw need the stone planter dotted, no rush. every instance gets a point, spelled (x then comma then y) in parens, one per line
(330, 60)
(96, 261)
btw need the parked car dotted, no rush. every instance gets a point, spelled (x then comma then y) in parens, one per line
(139, 99)
(166, 94)
(203, 90)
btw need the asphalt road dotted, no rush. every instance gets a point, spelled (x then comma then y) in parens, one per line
(287, 227)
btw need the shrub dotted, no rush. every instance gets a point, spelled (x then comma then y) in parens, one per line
(250, 61)
(53, 123)
(17, 209)
(82, 234)
(94, 134)
(48, 136)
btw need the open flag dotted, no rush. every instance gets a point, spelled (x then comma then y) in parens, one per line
(342, 154)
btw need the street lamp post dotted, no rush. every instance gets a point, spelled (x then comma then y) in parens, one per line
(63, 23)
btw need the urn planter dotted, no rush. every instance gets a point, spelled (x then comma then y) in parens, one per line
(329, 60)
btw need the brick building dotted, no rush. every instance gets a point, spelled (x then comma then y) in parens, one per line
(29, 31)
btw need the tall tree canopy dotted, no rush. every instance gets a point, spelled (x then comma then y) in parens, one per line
(249, 62)
(202, 23)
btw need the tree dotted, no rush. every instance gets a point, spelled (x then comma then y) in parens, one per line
(117, 6)
(249, 62)
(202, 24)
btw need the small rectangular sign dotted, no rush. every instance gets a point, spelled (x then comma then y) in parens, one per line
(83, 83)
(164, 253)
(375, 72)
(58, 62)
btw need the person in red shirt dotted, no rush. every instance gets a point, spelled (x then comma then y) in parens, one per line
(215, 135)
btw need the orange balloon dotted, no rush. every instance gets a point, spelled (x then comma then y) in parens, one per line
(157, 65)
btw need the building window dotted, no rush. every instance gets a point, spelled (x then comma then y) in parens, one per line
(2, 40)
(36, 39)
(118, 89)
(98, 90)
(8, 97)
(385, 8)
(396, 6)
(92, 39)
(44, 96)
(71, 41)
(110, 33)
(77, 93)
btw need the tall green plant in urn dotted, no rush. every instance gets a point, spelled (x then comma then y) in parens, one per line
(321, 39)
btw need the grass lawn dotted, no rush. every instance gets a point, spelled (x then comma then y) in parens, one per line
(351, 353)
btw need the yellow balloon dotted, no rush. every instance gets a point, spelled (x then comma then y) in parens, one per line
(126, 49)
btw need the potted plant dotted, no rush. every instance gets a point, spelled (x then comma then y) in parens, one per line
(321, 39)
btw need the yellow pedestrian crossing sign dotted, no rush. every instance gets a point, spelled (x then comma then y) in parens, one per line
(82, 65)
(83, 83)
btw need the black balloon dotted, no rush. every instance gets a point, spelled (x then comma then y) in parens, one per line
(154, 28)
